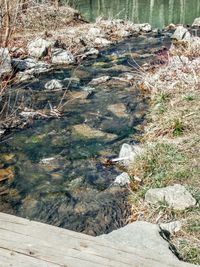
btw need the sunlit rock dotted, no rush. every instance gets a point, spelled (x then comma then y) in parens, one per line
(122, 179)
(118, 109)
(181, 33)
(196, 22)
(61, 56)
(88, 132)
(6, 174)
(177, 197)
(99, 80)
(128, 153)
(38, 48)
(53, 84)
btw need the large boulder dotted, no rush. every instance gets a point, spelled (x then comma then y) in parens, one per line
(196, 22)
(180, 34)
(39, 47)
(61, 56)
(142, 235)
(5, 62)
(176, 196)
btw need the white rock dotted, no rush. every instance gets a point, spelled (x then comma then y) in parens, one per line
(2, 132)
(123, 33)
(101, 41)
(47, 161)
(61, 56)
(176, 196)
(129, 153)
(99, 80)
(91, 52)
(5, 62)
(38, 47)
(145, 27)
(28, 114)
(122, 179)
(181, 33)
(196, 22)
(171, 227)
(53, 84)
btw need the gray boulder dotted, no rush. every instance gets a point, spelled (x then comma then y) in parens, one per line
(128, 153)
(61, 56)
(122, 179)
(53, 84)
(177, 197)
(181, 33)
(5, 62)
(196, 22)
(39, 47)
(142, 235)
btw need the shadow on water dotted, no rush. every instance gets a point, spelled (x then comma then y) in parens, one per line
(159, 13)
(59, 177)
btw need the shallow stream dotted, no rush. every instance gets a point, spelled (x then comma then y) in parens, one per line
(56, 165)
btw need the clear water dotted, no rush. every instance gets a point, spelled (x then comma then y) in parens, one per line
(75, 190)
(159, 13)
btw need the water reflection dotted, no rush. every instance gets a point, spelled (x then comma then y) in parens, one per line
(158, 13)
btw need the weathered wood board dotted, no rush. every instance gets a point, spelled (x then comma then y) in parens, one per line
(25, 243)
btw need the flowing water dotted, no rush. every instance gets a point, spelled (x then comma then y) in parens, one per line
(56, 171)
(159, 13)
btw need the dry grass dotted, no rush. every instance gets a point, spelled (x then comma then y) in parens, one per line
(172, 144)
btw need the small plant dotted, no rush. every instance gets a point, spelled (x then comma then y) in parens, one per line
(177, 127)
(188, 97)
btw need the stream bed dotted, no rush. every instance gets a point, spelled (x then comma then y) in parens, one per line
(55, 165)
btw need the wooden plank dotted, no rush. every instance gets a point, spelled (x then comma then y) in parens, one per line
(9, 258)
(52, 246)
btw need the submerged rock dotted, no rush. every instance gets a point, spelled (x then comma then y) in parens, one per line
(6, 174)
(61, 56)
(176, 196)
(53, 84)
(88, 132)
(181, 33)
(38, 48)
(99, 80)
(5, 62)
(122, 179)
(118, 109)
